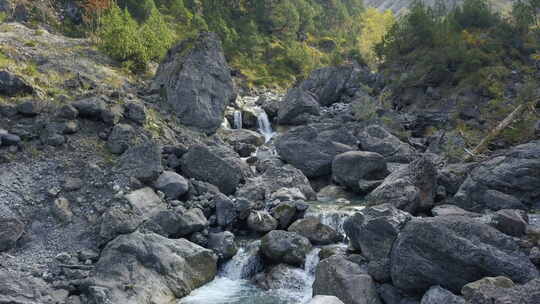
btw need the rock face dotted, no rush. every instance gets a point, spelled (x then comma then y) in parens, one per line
(144, 268)
(196, 81)
(313, 148)
(317, 232)
(297, 104)
(437, 295)
(13, 85)
(286, 247)
(453, 251)
(216, 165)
(337, 276)
(511, 181)
(351, 167)
(410, 188)
(375, 138)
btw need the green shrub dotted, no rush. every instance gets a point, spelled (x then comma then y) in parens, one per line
(139, 9)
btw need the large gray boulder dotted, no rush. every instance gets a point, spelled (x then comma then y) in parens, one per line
(439, 295)
(172, 184)
(222, 243)
(216, 165)
(410, 188)
(22, 288)
(274, 179)
(148, 268)
(501, 290)
(509, 181)
(296, 105)
(337, 276)
(313, 148)
(351, 167)
(452, 251)
(196, 82)
(142, 162)
(285, 247)
(178, 222)
(376, 139)
(317, 232)
(121, 138)
(373, 231)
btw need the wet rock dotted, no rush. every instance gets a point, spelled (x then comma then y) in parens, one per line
(351, 167)
(121, 138)
(13, 85)
(237, 137)
(446, 210)
(376, 139)
(141, 268)
(285, 247)
(11, 229)
(295, 106)
(172, 184)
(222, 243)
(261, 221)
(425, 254)
(313, 148)
(196, 81)
(439, 295)
(216, 165)
(510, 181)
(91, 108)
(288, 195)
(346, 280)
(142, 162)
(281, 276)
(284, 213)
(317, 232)
(325, 300)
(410, 188)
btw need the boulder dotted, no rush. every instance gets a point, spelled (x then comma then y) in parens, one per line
(410, 188)
(261, 221)
(196, 82)
(511, 222)
(172, 184)
(285, 247)
(29, 108)
(11, 229)
(145, 200)
(445, 210)
(91, 108)
(112, 115)
(282, 277)
(337, 276)
(225, 211)
(351, 167)
(13, 85)
(376, 139)
(222, 243)
(284, 213)
(274, 179)
(119, 219)
(313, 148)
(216, 165)
(148, 268)
(236, 137)
(22, 288)
(509, 181)
(179, 222)
(142, 162)
(316, 232)
(296, 105)
(481, 289)
(439, 295)
(136, 111)
(325, 300)
(121, 138)
(373, 231)
(502, 292)
(452, 251)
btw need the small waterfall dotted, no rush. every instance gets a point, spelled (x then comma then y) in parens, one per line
(312, 260)
(237, 119)
(264, 126)
(245, 264)
(332, 216)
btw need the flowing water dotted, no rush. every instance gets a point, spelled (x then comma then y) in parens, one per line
(264, 126)
(238, 119)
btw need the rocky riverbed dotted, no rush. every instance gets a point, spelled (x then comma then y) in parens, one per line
(184, 189)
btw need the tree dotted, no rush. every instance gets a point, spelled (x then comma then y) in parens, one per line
(93, 10)
(375, 25)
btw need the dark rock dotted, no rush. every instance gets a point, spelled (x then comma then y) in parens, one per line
(284, 213)
(236, 137)
(510, 181)
(136, 112)
(225, 211)
(313, 148)
(112, 115)
(10, 139)
(11, 229)
(222, 243)
(376, 139)
(285, 247)
(196, 81)
(242, 207)
(142, 162)
(261, 221)
(172, 184)
(91, 108)
(346, 280)
(68, 112)
(29, 108)
(511, 222)
(216, 165)
(452, 251)
(410, 188)
(351, 167)
(537, 129)
(121, 138)
(446, 210)
(119, 219)
(317, 232)
(482, 290)
(179, 222)
(21, 288)
(160, 269)
(13, 85)
(296, 104)
(366, 186)
(439, 295)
